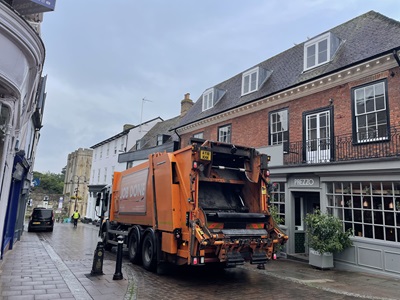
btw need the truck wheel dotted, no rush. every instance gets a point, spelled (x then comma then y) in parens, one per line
(149, 252)
(135, 250)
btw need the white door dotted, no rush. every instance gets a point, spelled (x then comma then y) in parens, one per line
(318, 146)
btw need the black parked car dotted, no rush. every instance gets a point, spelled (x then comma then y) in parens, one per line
(41, 219)
(86, 220)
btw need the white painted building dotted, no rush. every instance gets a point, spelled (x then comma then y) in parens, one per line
(105, 159)
(22, 99)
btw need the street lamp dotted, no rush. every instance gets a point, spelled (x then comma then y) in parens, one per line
(77, 180)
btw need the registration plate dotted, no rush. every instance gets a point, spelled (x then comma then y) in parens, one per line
(205, 155)
(35, 223)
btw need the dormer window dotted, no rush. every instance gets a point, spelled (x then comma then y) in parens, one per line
(253, 79)
(138, 145)
(250, 81)
(320, 50)
(162, 138)
(159, 139)
(211, 97)
(208, 97)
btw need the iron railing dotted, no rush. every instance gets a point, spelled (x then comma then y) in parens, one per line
(344, 148)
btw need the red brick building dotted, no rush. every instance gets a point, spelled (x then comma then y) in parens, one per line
(328, 113)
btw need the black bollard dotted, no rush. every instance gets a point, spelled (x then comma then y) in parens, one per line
(97, 268)
(118, 266)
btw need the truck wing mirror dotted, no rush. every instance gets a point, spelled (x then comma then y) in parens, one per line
(264, 160)
(98, 199)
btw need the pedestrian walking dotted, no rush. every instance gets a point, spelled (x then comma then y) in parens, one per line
(75, 218)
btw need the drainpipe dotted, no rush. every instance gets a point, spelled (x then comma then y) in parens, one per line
(396, 57)
(179, 137)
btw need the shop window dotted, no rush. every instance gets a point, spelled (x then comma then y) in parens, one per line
(370, 209)
(368, 231)
(357, 202)
(347, 226)
(379, 232)
(377, 203)
(378, 219)
(390, 234)
(277, 199)
(358, 230)
(389, 218)
(367, 216)
(357, 215)
(348, 216)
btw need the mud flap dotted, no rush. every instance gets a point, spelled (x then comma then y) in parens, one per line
(234, 258)
(258, 257)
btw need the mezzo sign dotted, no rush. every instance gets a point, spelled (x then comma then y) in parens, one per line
(304, 182)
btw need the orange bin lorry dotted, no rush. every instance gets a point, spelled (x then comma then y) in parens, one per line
(204, 204)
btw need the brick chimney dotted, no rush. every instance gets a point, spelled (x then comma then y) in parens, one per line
(186, 104)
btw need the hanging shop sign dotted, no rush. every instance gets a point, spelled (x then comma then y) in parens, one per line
(28, 7)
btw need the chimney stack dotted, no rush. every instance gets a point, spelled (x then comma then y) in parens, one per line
(186, 104)
(127, 126)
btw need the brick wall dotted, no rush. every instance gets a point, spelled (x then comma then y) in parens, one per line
(252, 129)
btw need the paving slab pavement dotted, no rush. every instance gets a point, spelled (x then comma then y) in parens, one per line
(33, 270)
(341, 282)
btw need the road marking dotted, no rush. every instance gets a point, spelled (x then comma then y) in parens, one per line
(77, 289)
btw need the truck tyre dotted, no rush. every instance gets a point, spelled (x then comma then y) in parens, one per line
(135, 247)
(105, 237)
(149, 252)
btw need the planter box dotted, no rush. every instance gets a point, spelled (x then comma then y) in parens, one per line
(324, 261)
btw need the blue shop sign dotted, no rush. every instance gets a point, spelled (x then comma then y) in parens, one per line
(28, 7)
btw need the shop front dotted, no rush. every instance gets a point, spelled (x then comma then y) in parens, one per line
(304, 193)
(368, 205)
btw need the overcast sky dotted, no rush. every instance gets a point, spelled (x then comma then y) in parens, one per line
(103, 57)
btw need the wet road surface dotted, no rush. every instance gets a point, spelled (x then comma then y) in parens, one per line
(75, 244)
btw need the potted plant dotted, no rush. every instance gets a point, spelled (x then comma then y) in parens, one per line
(325, 236)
